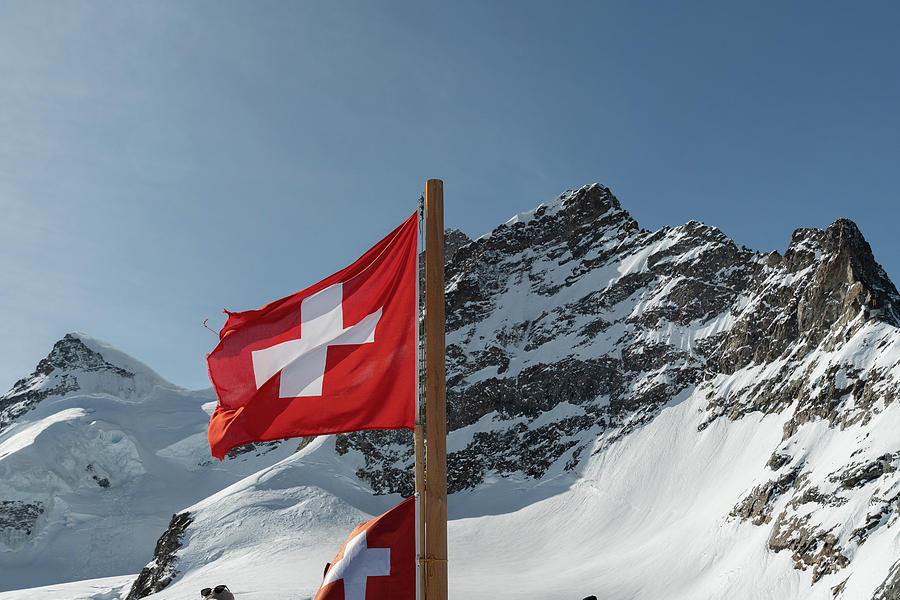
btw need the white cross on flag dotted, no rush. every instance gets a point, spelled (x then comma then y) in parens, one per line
(302, 361)
(378, 560)
(338, 356)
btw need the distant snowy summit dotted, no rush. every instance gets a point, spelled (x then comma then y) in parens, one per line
(96, 453)
(75, 363)
(690, 418)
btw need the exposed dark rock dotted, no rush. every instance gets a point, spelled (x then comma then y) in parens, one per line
(18, 518)
(70, 353)
(862, 475)
(778, 460)
(100, 480)
(758, 504)
(535, 390)
(780, 306)
(54, 376)
(890, 587)
(388, 459)
(161, 571)
(519, 449)
(835, 278)
(454, 239)
(810, 547)
(259, 448)
(873, 521)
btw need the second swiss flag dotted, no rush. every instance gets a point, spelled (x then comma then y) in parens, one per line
(378, 560)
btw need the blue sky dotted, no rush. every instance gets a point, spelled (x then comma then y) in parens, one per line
(160, 161)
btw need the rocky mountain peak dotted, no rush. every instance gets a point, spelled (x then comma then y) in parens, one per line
(578, 217)
(853, 256)
(842, 278)
(76, 362)
(824, 289)
(590, 207)
(70, 353)
(573, 305)
(590, 202)
(454, 239)
(805, 249)
(845, 232)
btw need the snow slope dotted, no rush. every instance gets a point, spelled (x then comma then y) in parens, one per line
(646, 518)
(89, 477)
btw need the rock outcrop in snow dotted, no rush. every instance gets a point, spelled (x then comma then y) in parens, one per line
(161, 571)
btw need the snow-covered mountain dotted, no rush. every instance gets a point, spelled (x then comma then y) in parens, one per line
(632, 414)
(96, 453)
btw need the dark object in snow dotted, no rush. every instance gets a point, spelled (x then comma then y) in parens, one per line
(220, 592)
(160, 573)
(591, 598)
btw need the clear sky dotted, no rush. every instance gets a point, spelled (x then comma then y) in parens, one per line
(160, 161)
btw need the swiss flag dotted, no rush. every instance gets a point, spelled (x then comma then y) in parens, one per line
(338, 356)
(378, 560)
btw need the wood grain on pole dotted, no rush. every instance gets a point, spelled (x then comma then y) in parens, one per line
(435, 397)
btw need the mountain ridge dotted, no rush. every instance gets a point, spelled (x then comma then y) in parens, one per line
(572, 335)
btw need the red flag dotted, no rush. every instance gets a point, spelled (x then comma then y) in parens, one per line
(378, 560)
(338, 356)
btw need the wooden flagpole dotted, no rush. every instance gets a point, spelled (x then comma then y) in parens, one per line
(435, 397)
